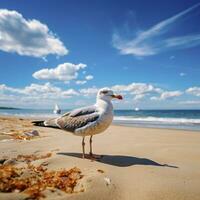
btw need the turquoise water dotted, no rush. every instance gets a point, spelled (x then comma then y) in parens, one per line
(176, 119)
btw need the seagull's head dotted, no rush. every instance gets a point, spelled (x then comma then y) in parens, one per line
(107, 94)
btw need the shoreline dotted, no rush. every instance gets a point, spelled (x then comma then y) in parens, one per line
(159, 128)
(114, 123)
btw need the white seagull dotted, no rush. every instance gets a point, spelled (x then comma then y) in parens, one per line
(86, 121)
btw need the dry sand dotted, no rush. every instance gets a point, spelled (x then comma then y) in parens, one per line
(137, 163)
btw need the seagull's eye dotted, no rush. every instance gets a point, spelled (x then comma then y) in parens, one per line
(104, 92)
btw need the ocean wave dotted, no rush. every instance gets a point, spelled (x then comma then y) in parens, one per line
(123, 119)
(157, 120)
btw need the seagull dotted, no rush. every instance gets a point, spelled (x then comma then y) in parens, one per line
(86, 121)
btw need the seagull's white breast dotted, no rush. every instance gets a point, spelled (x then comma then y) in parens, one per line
(100, 125)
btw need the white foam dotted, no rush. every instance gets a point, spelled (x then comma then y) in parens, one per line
(158, 120)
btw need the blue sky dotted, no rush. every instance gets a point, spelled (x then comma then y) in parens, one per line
(64, 51)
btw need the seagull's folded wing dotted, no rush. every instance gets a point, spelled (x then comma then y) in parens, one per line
(78, 118)
(83, 111)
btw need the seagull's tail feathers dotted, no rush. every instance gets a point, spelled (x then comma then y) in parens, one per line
(38, 123)
(51, 123)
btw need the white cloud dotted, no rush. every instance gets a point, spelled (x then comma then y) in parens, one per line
(46, 89)
(194, 91)
(89, 77)
(4, 88)
(47, 94)
(136, 92)
(139, 97)
(69, 93)
(81, 82)
(137, 88)
(35, 89)
(149, 42)
(63, 72)
(167, 95)
(35, 94)
(27, 37)
(89, 91)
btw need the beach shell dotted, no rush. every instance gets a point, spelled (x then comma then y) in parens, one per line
(107, 180)
(32, 133)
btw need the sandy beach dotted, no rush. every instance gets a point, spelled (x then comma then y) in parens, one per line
(137, 163)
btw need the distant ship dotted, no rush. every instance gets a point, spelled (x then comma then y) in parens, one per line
(137, 109)
(56, 110)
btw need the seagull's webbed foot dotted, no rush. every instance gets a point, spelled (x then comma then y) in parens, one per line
(95, 157)
(91, 156)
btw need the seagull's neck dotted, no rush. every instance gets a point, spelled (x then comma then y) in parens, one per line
(104, 105)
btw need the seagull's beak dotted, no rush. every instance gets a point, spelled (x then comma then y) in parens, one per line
(117, 96)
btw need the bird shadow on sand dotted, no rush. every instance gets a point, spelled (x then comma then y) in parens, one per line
(120, 160)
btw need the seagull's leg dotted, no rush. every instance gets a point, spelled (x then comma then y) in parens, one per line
(83, 147)
(91, 154)
(95, 157)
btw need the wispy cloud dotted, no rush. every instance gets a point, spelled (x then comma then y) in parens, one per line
(152, 42)
(167, 95)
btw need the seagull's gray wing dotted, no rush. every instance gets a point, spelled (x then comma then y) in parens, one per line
(78, 118)
(83, 111)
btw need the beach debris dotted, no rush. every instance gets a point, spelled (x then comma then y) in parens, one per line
(2, 160)
(11, 161)
(32, 157)
(45, 163)
(26, 158)
(107, 180)
(32, 133)
(39, 180)
(100, 171)
(25, 135)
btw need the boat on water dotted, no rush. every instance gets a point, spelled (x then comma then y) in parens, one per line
(137, 109)
(56, 110)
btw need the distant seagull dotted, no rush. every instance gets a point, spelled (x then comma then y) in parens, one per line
(86, 121)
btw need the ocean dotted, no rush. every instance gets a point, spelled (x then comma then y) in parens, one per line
(172, 119)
